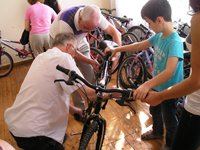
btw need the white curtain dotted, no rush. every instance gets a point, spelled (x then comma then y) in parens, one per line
(132, 9)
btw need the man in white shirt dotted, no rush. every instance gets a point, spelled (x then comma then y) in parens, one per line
(38, 118)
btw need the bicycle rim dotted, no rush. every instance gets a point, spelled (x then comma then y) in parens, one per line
(129, 38)
(132, 73)
(139, 31)
(6, 64)
(93, 136)
(98, 56)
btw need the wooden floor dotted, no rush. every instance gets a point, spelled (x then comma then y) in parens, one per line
(123, 127)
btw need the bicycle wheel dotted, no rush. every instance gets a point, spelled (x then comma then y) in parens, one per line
(139, 31)
(6, 64)
(93, 136)
(132, 72)
(99, 57)
(186, 70)
(129, 38)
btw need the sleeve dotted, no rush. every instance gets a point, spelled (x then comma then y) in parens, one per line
(152, 39)
(27, 16)
(103, 23)
(176, 49)
(68, 63)
(53, 14)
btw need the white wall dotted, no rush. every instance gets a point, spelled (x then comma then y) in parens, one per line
(12, 13)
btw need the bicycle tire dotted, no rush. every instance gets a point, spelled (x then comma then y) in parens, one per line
(89, 133)
(131, 74)
(129, 38)
(139, 31)
(186, 70)
(6, 64)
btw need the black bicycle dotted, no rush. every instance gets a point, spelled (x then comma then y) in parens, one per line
(95, 126)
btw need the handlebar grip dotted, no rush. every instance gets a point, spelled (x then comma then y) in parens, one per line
(64, 70)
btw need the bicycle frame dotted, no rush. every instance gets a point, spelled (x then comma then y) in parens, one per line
(22, 53)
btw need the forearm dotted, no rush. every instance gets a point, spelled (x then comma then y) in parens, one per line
(184, 88)
(82, 58)
(163, 77)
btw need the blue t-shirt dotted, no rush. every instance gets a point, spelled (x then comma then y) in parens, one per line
(170, 46)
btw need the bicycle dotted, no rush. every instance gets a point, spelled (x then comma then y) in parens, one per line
(120, 23)
(141, 31)
(95, 125)
(6, 61)
(135, 69)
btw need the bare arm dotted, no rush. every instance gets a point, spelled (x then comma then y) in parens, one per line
(85, 59)
(190, 84)
(116, 35)
(59, 6)
(130, 48)
(27, 25)
(92, 94)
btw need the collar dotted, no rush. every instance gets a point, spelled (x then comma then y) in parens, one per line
(76, 19)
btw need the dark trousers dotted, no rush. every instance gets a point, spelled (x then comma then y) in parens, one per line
(166, 111)
(37, 143)
(187, 136)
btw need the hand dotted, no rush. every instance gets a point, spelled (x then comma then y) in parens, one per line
(76, 110)
(108, 49)
(141, 92)
(115, 61)
(95, 65)
(153, 98)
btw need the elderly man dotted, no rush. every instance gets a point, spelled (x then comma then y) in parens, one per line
(39, 116)
(80, 20)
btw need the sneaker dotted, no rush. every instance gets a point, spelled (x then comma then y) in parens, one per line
(149, 136)
(165, 147)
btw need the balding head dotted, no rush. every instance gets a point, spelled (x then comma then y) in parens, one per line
(92, 14)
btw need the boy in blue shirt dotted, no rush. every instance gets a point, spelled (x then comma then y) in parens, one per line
(168, 67)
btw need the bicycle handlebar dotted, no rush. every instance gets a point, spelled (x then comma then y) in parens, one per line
(108, 10)
(126, 93)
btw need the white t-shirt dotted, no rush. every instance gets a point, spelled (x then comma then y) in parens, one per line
(41, 107)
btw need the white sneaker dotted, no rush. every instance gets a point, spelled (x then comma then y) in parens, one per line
(165, 147)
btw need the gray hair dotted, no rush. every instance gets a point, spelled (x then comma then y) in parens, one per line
(91, 12)
(62, 39)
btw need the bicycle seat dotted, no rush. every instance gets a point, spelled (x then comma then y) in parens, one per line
(125, 20)
(107, 43)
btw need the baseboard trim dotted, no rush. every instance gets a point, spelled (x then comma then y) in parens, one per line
(23, 62)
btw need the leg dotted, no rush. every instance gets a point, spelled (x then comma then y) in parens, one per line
(87, 71)
(156, 113)
(36, 43)
(46, 41)
(187, 135)
(169, 109)
(158, 131)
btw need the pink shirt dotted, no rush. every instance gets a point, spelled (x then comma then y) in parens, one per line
(40, 17)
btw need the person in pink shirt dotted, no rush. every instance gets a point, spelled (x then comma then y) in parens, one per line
(38, 21)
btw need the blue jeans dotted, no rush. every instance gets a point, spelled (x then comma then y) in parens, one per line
(187, 136)
(166, 111)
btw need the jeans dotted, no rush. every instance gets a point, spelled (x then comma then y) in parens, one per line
(166, 111)
(37, 143)
(187, 136)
